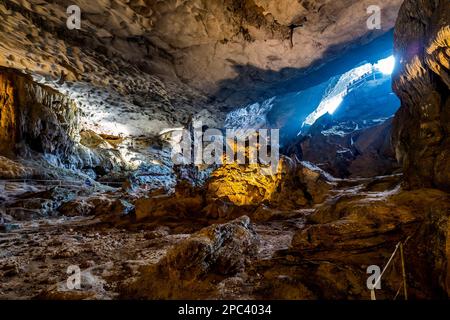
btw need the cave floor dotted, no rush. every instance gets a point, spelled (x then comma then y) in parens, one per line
(36, 254)
(35, 257)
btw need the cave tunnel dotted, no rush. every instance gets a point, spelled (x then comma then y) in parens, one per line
(224, 150)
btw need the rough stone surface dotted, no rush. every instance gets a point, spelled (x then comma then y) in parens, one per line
(220, 250)
(234, 190)
(10, 169)
(203, 43)
(38, 117)
(294, 185)
(166, 231)
(355, 231)
(336, 147)
(422, 125)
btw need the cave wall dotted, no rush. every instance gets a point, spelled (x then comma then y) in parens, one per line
(422, 81)
(35, 118)
(421, 131)
(7, 117)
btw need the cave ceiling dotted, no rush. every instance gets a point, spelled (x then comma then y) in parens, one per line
(213, 46)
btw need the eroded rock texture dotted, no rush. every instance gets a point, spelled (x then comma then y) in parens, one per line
(352, 232)
(294, 185)
(35, 118)
(343, 150)
(43, 126)
(193, 268)
(234, 190)
(422, 125)
(215, 46)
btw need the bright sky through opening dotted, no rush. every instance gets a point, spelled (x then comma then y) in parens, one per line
(333, 100)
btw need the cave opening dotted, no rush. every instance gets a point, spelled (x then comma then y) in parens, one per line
(328, 122)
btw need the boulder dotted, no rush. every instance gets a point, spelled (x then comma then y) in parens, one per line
(188, 269)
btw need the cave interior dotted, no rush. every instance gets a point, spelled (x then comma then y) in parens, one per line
(95, 119)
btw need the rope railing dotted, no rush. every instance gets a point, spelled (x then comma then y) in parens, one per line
(356, 84)
(398, 248)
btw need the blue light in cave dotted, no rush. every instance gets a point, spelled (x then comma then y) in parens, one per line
(332, 104)
(349, 81)
(386, 66)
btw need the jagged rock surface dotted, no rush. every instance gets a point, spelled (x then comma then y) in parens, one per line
(355, 231)
(343, 150)
(234, 190)
(422, 125)
(312, 236)
(294, 185)
(38, 117)
(187, 271)
(203, 43)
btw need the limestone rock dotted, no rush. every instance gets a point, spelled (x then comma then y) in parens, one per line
(35, 116)
(422, 125)
(179, 204)
(355, 231)
(10, 169)
(100, 206)
(294, 185)
(218, 251)
(341, 149)
(76, 208)
(202, 43)
(32, 205)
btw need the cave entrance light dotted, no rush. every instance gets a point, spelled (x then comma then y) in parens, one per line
(386, 66)
(347, 82)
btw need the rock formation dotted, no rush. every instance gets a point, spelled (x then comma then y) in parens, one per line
(343, 150)
(421, 126)
(234, 190)
(190, 269)
(38, 117)
(202, 43)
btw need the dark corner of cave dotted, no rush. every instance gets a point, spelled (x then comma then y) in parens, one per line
(224, 150)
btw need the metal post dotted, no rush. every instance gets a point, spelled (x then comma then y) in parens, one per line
(403, 272)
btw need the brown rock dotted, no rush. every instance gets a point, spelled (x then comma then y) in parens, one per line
(356, 231)
(76, 208)
(422, 81)
(188, 270)
(294, 185)
(31, 115)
